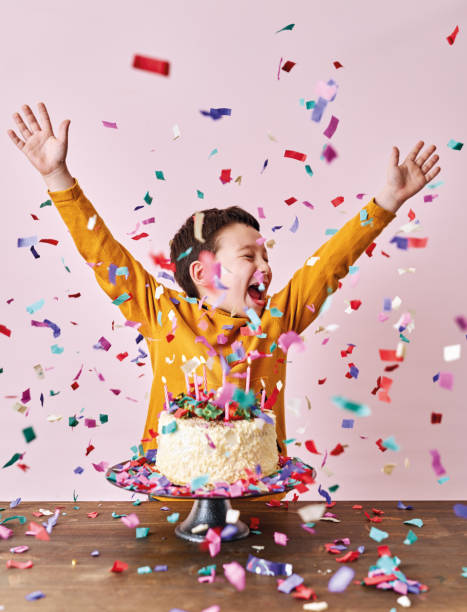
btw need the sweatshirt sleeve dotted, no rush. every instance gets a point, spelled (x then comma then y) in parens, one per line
(120, 275)
(301, 299)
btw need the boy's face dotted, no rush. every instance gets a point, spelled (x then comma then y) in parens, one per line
(244, 269)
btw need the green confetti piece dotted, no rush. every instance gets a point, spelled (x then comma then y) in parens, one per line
(103, 418)
(170, 428)
(244, 400)
(309, 171)
(21, 519)
(13, 460)
(435, 185)
(200, 194)
(160, 175)
(287, 27)
(147, 198)
(36, 306)
(53, 393)
(208, 569)
(29, 434)
(330, 231)
(275, 312)
(302, 101)
(289, 440)
(199, 482)
(377, 534)
(73, 421)
(57, 350)
(410, 538)
(403, 338)
(116, 516)
(416, 522)
(443, 479)
(390, 443)
(333, 488)
(1, 370)
(213, 152)
(273, 347)
(121, 298)
(144, 570)
(46, 203)
(455, 144)
(309, 104)
(173, 518)
(185, 253)
(353, 269)
(141, 532)
(137, 502)
(355, 407)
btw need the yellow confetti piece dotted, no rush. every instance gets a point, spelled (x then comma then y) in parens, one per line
(388, 468)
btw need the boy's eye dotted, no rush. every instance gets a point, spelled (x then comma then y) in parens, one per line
(248, 256)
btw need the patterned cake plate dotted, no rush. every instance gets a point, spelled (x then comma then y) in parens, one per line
(211, 505)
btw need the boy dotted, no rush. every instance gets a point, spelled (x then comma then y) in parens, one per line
(232, 319)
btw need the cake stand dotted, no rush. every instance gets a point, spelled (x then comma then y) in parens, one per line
(208, 510)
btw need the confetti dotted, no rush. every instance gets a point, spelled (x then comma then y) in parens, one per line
(235, 574)
(287, 67)
(341, 579)
(455, 145)
(333, 123)
(287, 27)
(452, 37)
(151, 64)
(295, 155)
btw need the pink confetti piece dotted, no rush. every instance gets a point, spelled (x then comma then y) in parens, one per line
(279, 70)
(131, 520)
(286, 340)
(446, 380)
(280, 538)
(436, 463)
(333, 123)
(109, 124)
(235, 574)
(329, 154)
(214, 540)
(5, 533)
(308, 204)
(101, 467)
(261, 214)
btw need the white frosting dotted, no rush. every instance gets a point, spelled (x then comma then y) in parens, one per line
(186, 453)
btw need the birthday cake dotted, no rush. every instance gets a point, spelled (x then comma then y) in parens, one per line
(201, 443)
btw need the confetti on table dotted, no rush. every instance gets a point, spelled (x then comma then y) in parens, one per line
(460, 510)
(416, 522)
(280, 538)
(410, 538)
(235, 574)
(377, 534)
(341, 579)
(35, 595)
(151, 64)
(119, 566)
(452, 37)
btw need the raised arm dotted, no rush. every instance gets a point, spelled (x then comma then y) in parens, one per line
(303, 296)
(122, 277)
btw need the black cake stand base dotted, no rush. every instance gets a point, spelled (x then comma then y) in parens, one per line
(211, 512)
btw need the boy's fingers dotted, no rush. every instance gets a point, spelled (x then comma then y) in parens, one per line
(395, 156)
(45, 116)
(431, 175)
(422, 159)
(415, 151)
(34, 125)
(23, 128)
(429, 164)
(18, 142)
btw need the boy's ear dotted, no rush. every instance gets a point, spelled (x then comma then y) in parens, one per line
(198, 273)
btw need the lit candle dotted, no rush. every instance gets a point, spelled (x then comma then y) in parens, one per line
(263, 395)
(195, 378)
(248, 373)
(226, 408)
(205, 379)
(223, 377)
(166, 395)
(187, 382)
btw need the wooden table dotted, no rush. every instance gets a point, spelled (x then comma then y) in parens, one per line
(436, 559)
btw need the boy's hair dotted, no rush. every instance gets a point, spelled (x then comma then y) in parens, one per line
(214, 220)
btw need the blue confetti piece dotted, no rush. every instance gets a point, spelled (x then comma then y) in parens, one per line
(35, 307)
(330, 232)
(377, 534)
(264, 166)
(318, 109)
(347, 423)
(294, 226)
(173, 518)
(112, 274)
(401, 242)
(78, 470)
(35, 595)
(199, 482)
(324, 494)
(166, 275)
(36, 256)
(27, 242)
(436, 377)
(277, 227)
(363, 214)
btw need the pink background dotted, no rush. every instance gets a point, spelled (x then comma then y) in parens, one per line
(401, 82)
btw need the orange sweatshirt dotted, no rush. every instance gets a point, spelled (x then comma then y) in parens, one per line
(174, 325)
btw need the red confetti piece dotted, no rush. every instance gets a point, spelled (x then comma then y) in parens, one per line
(304, 592)
(139, 236)
(74, 385)
(372, 519)
(93, 515)
(452, 37)
(337, 201)
(39, 532)
(49, 241)
(384, 550)
(351, 555)
(379, 444)
(287, 67)
(74, 295)
(122, 356)
(411, 215)
(119, 566)
(337, 450)
(169, 337)
(5, 330)
(372, 580)
(290, 201)
(254, 522)
(225, 176)
(369, 250)
(151, 64)
(271, 399)
(89, 449)
(295, 155)
(387, 355)
(436, 417)
(19, 564)
(163, 262)
(357, 507)
(337, 65)
(36, 218)
(310, 446)
(377, 511)
(355, 304)
(321, 381)
(417, 243)
(385, 254)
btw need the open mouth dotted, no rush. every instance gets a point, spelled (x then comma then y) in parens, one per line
(258, 296)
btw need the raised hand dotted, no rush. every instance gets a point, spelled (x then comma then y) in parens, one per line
(407, 179)
(46, 152)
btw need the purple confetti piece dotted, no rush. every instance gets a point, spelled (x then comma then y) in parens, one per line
(276, 227)
(103, 344)
(167, 276)
(333, 123)
(460, 510)
(160, 568)
(341, 579)
(279, 70)
(27, 242)
(229, 532)
(264, 167)
(109, 124)
(294, 226)
(324, 494)
(347, 423)
(461, 322)
(436, 463)
(113, 274)
(15, 502)
(35, 253)
(290, 583)
(256, 565)
(308, 204)
(401, 242)
(35, 595)
(55, 328)
(95, 553)
(318, 109)
(78, 470)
